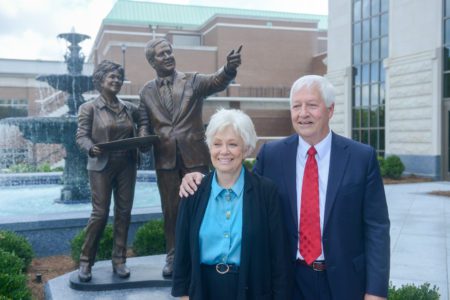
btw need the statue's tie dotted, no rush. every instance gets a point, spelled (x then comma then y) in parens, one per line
(310, 240)
(167, 95)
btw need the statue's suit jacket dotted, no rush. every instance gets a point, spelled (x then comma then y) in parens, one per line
(92, 129)
(356, 223)
(184, 128)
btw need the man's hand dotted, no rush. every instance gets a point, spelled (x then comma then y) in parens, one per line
(233, 60)
(372, 297)
(189, 184)
(184, 298)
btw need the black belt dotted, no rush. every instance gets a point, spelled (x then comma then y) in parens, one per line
(318, 265)
(222, 268)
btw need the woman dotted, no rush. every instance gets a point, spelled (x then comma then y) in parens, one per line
(229, 238)
(107, 119)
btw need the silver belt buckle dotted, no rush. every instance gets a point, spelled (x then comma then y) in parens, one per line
(317, 266)
(222, 268)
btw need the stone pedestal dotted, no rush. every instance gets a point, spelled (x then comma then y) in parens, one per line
(145, 282)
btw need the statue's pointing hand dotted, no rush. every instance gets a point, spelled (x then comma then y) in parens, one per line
(233, 60)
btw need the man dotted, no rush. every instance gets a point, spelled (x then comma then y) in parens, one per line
(171, 107)
(333, 201)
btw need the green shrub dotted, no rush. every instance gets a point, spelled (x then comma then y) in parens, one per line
(412, 292)
(381, 163)
(28, 168)
(44, 168)
(393, 167)
(13, 284)
(104, 251)
(18, 245)
(149, 239)
(57, 169)
(249, 163)
(21, 168)
(10, 263)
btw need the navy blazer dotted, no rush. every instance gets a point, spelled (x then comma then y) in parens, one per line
(262, 273)
(356, 227)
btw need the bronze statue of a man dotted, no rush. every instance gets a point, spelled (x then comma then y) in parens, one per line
(171, 107)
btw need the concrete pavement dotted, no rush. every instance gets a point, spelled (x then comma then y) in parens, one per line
(420, 234)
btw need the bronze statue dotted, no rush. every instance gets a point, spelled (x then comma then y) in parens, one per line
(107, 119)
(171, 107)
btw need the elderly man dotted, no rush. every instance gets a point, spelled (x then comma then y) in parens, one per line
(333, 202)
(171, 107)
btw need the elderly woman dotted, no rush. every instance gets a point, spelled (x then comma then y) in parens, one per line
(107, 119)
(229, 238)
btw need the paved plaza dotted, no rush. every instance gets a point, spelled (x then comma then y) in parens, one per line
(420, 245)
(420, 234)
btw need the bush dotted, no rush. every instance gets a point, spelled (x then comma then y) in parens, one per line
(412, 292)
(381, 163)
(249, 163)
(28, 168)
(393, 167)
(13, 284)
(10, 263)
(149, 239)
(18, 245)
(104, 251)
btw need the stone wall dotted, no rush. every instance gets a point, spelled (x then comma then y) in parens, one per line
(413, 111)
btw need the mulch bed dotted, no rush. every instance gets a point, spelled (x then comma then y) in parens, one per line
(407, 179)
(49, 267)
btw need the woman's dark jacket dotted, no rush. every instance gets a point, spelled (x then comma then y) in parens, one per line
(263, 269)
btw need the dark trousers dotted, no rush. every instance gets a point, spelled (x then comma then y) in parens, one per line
(310, 284)
(169, 185)
(118, 177)
(219, 286)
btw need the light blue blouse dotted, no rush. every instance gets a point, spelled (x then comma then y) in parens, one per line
(221, 229)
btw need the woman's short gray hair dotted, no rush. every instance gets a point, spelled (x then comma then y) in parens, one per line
(326, 89)
(239, 121)
(103, 69)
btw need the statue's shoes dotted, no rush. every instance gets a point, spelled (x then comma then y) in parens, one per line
(168, 269)
(121, 270)
(84, 272)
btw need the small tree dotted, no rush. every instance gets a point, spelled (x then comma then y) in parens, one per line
(393, 167)
(149, 239)
(18, 245)
(412, 292)
(13, 284)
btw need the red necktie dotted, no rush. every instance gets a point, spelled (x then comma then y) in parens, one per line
(310, 241)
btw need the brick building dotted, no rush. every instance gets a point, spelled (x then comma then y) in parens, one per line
(278, 47)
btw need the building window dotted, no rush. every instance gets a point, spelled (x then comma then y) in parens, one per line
(370, 47)
(446, 59)
(13, 108)
(186, 40)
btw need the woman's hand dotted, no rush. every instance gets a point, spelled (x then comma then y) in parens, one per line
(185, 298)
(95, 151)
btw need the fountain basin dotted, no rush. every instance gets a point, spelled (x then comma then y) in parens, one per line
(31, 211)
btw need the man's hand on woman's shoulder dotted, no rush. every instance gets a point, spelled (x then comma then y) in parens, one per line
(189, 183)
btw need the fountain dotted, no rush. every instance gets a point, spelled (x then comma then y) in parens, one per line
(62, 130)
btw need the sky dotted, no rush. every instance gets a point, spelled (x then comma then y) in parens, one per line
(28, 28)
